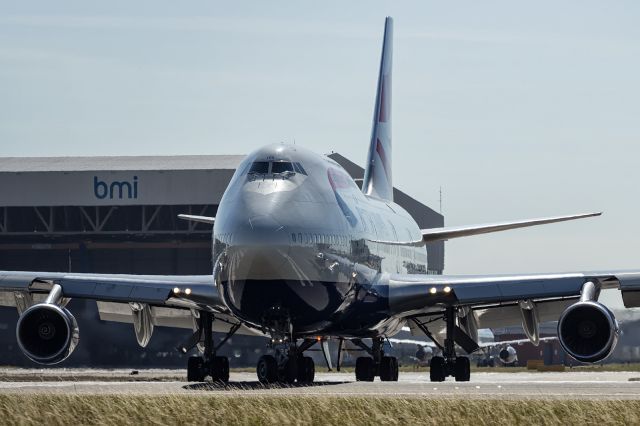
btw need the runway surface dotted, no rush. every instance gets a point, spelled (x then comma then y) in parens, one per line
(499, 385)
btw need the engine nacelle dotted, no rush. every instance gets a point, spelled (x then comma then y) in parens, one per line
(508, 355)
(47, 334)
(588, 331)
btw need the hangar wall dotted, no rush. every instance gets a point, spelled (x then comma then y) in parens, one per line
(119, 215)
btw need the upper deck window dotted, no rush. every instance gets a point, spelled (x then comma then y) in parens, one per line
(261, 167)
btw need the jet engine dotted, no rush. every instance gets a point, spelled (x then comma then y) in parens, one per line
(588, 331)
(47, 333)
(508, 355)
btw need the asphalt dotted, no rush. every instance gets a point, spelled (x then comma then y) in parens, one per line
(499, 385)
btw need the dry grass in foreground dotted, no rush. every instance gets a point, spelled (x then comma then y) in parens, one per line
(111, 410)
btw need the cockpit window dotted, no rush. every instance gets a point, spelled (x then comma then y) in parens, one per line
(261, 167)
(281, 167)
(298, 168)
(278, 169)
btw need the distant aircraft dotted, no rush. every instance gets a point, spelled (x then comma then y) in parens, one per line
(507, 354)
(301, 254)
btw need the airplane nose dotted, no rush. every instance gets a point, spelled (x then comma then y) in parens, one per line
(261, 230)
(264, 225)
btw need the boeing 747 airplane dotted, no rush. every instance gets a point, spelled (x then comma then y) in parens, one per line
(301, 255)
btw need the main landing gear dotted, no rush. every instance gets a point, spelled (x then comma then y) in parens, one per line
(208, 364)
(367, 368)
(287, 365)
(449, 364)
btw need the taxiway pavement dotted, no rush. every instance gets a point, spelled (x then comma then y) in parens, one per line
(499, 385)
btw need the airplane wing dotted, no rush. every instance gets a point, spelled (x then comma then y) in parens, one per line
(169, 300)
(195, 218)
(189, 291)
(497, 301)
(446, 233)
(417, 293)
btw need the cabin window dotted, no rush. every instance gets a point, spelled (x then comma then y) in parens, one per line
(293, 237)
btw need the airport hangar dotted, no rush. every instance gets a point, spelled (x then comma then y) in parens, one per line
(119, 215)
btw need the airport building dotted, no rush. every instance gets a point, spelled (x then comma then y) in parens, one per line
(119, 215)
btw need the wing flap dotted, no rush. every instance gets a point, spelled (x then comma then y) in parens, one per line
(447, 233)
(168, 317)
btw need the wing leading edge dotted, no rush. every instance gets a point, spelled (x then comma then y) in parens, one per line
(195, 218)
(446, 233)
(188, 291)
(411, 294)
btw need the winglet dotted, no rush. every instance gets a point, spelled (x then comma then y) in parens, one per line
(194, 218)
(440, 234)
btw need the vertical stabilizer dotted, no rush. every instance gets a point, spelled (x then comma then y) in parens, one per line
(377, 176)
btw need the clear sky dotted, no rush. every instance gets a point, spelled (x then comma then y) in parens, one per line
(517, 109)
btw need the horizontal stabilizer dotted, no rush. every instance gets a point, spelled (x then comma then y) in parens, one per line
(194, 218)
(446, 233)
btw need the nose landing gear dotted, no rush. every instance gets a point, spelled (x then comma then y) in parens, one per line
(287, 365)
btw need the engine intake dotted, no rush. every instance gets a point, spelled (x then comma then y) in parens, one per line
(47, 334)
(508, 355)
(588, 331)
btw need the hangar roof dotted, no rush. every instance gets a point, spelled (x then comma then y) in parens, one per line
(114, 163)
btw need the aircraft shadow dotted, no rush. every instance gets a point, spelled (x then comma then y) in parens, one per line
(235, 386)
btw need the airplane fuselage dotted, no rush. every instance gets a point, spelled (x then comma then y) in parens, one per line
(299, 249)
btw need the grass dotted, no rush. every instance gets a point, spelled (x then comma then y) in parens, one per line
(261, 410)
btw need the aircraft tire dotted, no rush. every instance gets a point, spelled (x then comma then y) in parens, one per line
(389, 369)
(462, 369)
(220, 369)
(267, 369)
(365, 371)
(396, 369)
(195, 369)
(289, 372)
(306, 370)
(438, 369)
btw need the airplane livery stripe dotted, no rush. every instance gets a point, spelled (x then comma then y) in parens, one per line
(383, 157)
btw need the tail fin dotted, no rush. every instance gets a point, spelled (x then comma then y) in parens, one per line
(377, 176)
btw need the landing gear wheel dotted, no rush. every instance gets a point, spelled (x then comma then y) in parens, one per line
(220, 369)
(438, 369)
(395, 369)
(289, 372)
(365, 371)
(462, 369)
(306, 369)
(267, 369)
(195, 369)
(389, 369)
